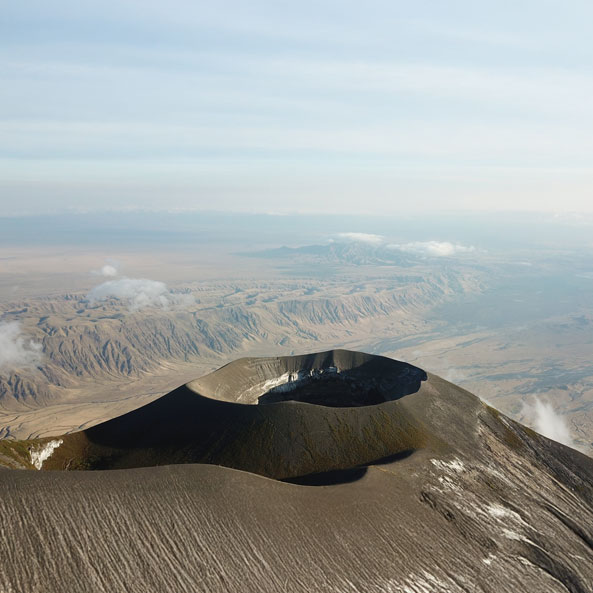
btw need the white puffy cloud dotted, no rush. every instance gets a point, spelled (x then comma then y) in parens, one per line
(548, 422)
(361, 238)
(433, 248)
(15, 350)
(139, 293)
(109, 270)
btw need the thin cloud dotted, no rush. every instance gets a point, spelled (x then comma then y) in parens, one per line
(139, 293)
(361, 238)
(433, 248)
(16, 351)
(441, 116)
(109, 270)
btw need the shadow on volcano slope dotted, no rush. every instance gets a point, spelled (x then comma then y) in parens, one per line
(372, 382)
(322, 412)
(480, 517)
(345, 476)
(467, 499)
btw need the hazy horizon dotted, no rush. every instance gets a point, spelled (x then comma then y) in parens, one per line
(502, 230)
(316, 107)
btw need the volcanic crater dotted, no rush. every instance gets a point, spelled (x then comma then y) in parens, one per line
(384, 478)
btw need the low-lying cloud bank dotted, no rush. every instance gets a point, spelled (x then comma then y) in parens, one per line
(542, 416)
(433, 248)
(16, 351)
(139, 293)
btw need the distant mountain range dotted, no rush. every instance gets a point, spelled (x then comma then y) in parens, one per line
(83, 340)
(356, 253)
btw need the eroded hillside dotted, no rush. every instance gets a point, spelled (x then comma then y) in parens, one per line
(83, 339)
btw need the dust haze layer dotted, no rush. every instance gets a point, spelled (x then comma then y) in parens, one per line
(425, 488)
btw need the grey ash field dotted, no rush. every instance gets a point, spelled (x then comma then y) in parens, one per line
(337, 471)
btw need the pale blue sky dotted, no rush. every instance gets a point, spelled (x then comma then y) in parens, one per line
(312, 106)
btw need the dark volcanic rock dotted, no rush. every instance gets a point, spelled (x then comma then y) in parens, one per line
(392, 482)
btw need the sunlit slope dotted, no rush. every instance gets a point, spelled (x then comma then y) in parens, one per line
(284, 417)
(362, 412)
(400, 482)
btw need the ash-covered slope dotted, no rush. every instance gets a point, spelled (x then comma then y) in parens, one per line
(279, 417)
(395, 483)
